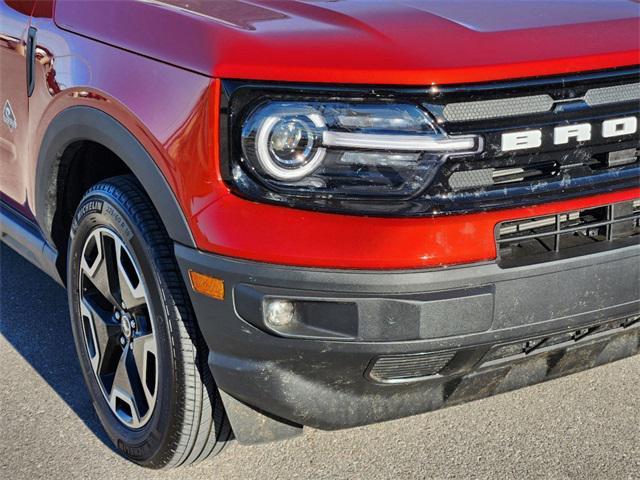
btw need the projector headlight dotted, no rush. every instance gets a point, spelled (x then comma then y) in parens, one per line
(284, 142)
(337, 149)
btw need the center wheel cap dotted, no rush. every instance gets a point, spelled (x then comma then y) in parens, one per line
(125, 326)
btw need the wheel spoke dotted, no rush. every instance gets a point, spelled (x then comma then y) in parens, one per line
(127, 389)
(102, 284)
(103, 332)
(109, 246)
(131, 287)
(121, 391)
(144, 354)
(98, 254)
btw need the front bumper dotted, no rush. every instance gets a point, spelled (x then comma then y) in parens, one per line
(390, 344)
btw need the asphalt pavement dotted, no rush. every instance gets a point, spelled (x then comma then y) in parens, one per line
(582, 426)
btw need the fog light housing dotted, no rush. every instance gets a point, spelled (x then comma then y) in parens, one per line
(279, 313)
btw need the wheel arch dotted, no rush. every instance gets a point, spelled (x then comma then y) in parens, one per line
(84, 123)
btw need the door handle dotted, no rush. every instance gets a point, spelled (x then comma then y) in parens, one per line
(31, 60)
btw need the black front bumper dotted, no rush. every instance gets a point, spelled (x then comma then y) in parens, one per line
(375, 346)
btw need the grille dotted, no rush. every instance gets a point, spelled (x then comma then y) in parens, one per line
(490, 109)
(449, 365)
(404, 367)
(568, 234)
(529, 105)
(489, 177)
(522, 348)
(615, 94)
(553, 170)
(547, 171)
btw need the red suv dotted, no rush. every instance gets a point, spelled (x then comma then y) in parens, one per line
(274, 214)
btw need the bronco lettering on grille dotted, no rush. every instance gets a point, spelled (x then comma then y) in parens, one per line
(581, 132)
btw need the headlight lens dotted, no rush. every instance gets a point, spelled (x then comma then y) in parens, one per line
(284, 141)
(343, 149)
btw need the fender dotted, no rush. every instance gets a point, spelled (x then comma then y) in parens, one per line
(88, 123)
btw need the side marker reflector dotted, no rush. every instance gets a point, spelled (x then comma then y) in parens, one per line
(206, 285)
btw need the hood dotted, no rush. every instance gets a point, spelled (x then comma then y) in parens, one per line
(392, 42)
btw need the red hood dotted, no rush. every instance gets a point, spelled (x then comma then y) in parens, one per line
(410, 42)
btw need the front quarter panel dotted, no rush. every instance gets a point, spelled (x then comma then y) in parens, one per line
(166, 109)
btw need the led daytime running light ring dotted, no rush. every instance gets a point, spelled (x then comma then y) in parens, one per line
(264, 155)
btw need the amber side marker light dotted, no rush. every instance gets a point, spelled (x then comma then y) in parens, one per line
(210, 286)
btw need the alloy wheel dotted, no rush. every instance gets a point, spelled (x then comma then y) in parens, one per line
(118, 326)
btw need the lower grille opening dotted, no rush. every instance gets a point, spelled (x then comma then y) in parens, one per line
(580, 232)
(470, 360)
(512, 351)
(398, 368)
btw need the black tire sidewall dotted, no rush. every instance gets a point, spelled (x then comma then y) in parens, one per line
(100, 208)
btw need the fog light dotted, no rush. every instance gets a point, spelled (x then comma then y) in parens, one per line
(279, 313)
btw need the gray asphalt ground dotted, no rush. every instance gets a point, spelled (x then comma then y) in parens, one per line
(583, 426)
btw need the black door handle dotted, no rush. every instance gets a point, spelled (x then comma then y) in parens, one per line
(31, 60)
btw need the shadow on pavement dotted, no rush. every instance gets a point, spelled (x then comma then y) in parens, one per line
(34, 318)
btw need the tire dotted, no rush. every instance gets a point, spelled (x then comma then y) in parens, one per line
(142, 355)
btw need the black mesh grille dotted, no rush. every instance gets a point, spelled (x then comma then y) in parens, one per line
(552, 170)
(578, 232)
(522, 348)
(449, 366)
(403, 367)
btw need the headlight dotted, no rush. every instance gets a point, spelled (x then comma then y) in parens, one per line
(332, 149)
(284, 141)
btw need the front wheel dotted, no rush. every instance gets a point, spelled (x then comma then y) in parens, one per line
(142, 356)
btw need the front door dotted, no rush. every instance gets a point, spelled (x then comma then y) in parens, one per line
(15, 17)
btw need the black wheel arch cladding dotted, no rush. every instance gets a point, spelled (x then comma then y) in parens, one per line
(83, 123)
